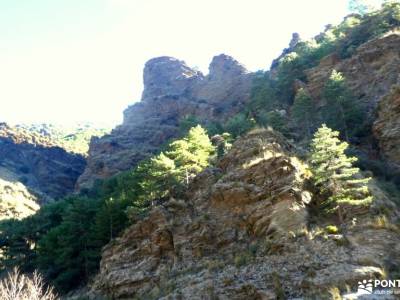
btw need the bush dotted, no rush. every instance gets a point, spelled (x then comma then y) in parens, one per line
(331, 229)
(242, 259)
(239, 124)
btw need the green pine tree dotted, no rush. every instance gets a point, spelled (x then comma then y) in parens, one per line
(276, 120)
(239, 124)
(304, 113)
(66, 252)
(162, 176)
(188, 122)
(341, 112)
(191, 154)
(334, 174)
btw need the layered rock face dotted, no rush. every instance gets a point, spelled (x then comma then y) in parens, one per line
(241, 233)
(44, 170)
(172, 91)
(370, 72)
(387, 125)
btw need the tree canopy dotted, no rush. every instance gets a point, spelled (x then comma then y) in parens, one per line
(339, 182)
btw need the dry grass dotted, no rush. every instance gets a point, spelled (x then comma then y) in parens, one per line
(382, 222)
(17, 286)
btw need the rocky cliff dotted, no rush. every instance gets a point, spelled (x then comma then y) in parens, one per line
(172, 91)
(243, 231)
(387, 125)
(372, 74)
(36, 166)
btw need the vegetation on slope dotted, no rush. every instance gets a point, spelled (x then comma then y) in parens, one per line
(64, 239)
(334, 174)
(278, 99)
(74, 139)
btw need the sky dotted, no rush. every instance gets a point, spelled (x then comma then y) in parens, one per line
(78, 61)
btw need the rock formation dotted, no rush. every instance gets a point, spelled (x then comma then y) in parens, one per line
(172, 91)
(36, 165)
(292, 45)
(387, 125)
(370, 72)
(242, 232)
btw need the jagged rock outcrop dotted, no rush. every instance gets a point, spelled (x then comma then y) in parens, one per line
(172, 91)
(36, 163)
(242, 232)
(167, 76)
(387, 125)
(292, 45)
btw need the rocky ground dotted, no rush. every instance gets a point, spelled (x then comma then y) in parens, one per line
(244, 230)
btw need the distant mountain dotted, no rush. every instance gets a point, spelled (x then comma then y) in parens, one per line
(74, 139)
(34, 169)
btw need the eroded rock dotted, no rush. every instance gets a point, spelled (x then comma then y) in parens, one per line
(242, 232)
(172, 91)
(387, 125)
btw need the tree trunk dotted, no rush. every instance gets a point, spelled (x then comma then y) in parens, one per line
(346, 134)
(340, 214)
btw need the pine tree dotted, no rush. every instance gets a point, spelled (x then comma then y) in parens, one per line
(263, 94)
(239, 124)
(188, 122)
(161, 176)
(334, 174)
(191, 154)
(67, 252)
(304, 113)
(276, 120)
(341, 112)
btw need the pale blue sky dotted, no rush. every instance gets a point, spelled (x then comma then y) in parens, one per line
(69, 61)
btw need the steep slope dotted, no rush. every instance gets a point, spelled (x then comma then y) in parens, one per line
(37, 163)
(372, 75)
(172, 91)
(387, 125)
(242, 232)
(370, 72)
(16, 201)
